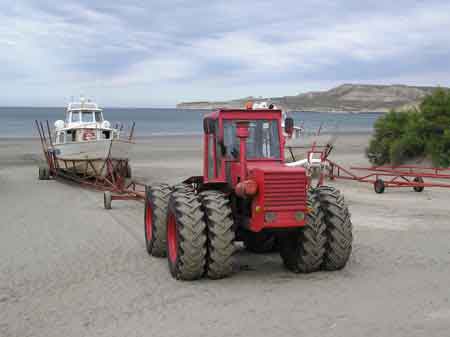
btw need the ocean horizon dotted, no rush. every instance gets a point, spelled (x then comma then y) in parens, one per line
(18, 122)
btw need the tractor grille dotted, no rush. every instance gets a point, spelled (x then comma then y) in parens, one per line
(284, 191)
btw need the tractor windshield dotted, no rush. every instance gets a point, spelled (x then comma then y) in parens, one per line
(263, 140)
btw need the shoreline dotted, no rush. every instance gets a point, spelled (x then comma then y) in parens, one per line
(188, 135)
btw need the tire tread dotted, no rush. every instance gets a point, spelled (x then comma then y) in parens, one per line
(220, 234)
(339, 228)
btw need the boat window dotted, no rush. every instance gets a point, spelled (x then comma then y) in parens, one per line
(75, 116)
(71, 136)
(61, 138)
(87, 117)
(98, 116)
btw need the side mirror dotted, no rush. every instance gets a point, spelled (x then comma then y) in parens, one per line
(289, 125)
(209, 126)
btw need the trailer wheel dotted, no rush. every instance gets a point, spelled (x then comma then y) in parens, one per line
(338, 228)
(379, 186)
(44, 173)
(260, 243)
(41, 173)
(107, 199)
(220, 234)
(128, 173)
(418, 188)
(303, 251)
(186, 234)
(155, 219)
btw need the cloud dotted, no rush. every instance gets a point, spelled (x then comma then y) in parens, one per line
(157, 53)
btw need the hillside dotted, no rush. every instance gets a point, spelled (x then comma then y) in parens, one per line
(344, 98)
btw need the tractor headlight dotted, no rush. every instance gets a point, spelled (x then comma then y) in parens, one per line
(270, 217)
(299, 216)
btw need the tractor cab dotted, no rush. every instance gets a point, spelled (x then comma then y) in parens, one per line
(244, 153)
(226, 131)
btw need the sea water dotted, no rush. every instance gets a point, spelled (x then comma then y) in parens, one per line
(19, 122)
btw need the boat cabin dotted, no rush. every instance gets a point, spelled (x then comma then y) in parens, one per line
(84, 122)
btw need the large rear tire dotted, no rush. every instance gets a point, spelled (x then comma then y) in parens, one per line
(260, 243)
(338, 228)
(220, 234)
(155, 219)
(303, 251)
(186, 234)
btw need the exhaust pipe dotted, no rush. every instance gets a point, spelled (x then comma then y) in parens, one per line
(242, 133)
(245, 188)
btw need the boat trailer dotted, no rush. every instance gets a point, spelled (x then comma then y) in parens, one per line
(113, 180)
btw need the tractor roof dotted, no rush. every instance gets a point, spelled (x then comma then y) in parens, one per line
(244, 113)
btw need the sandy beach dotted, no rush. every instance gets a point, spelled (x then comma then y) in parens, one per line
(70, 268)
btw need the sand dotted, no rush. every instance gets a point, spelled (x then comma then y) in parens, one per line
(70, 268)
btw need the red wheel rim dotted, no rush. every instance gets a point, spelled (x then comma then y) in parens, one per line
(148, 222)
(172, 237)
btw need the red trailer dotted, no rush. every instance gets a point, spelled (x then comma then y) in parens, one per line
(382, 177)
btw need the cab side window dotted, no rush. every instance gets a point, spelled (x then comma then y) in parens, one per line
(219, 149)
(211, 156)
(214, 155)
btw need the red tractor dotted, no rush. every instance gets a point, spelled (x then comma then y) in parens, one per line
(246, 194)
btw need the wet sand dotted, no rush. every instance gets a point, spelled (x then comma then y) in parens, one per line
(70, 268)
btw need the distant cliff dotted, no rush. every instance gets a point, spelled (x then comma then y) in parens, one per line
(344, 98)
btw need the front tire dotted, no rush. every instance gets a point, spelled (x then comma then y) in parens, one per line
(186, 234)
(338, 228)
(304, 251)
(155, 219)
(220, 234)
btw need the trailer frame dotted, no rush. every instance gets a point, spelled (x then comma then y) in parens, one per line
(113, 181)
(383, 177)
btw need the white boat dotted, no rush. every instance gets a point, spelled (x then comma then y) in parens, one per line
(85, 143)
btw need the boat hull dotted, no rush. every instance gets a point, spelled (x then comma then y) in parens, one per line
(93, 157)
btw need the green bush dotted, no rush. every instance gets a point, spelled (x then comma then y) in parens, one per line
(399, 136)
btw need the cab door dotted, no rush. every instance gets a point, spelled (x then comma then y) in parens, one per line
(212, 157)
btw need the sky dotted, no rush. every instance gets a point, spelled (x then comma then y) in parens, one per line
(156, 53)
